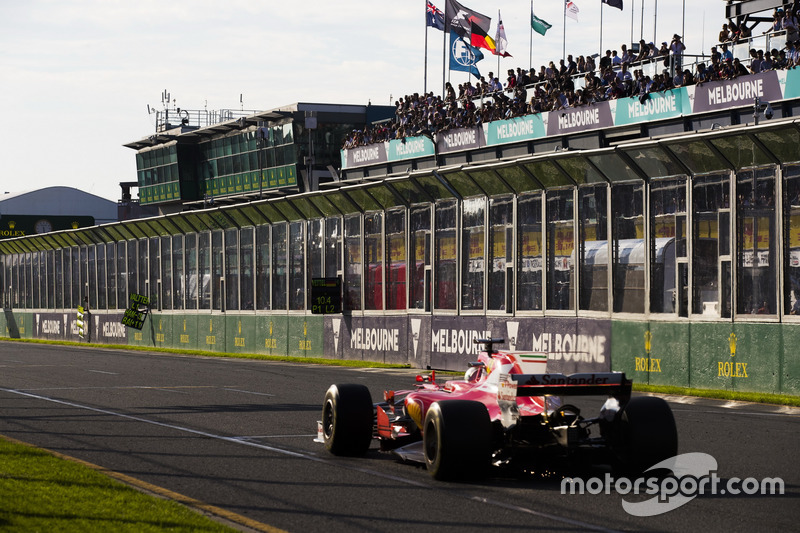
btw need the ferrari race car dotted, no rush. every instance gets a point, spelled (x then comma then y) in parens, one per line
(507, 411)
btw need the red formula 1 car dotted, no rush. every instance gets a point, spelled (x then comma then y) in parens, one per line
(506, 411)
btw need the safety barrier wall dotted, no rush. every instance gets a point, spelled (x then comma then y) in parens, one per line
(741, 356)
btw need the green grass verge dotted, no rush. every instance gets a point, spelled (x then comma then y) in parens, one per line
(42, 492)
(756, 397)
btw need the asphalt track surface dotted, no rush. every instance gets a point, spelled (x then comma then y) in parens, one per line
(238, 435)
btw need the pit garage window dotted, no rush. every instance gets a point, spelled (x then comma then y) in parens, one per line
(791, 237)
(756, 242)
(35, 278)
(178, 279)
(560, 249)
(204, 278)
(419, 259)
(231, 269)
(628, 253)
(315, 252)
(500, 254)
(445, 254)
(111, 276)
(192, 277)
(166, 272)
(217, 263)
(373, 261)
(593, 247)
(473, 253)
(396, 259)
(352, 262)
(297, 272)
(279, 262)
(333, 247)
(711, 246)
(263, 267)
(529, 254)
(668, 259)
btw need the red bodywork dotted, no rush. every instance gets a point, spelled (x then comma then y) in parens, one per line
(481, 385)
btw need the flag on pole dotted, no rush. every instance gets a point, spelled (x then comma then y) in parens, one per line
(463, 56)
(613, 3)
(539, 25)
(435, 16)
(500, 40)
(571, 10)
(459, 19)
(479, 39)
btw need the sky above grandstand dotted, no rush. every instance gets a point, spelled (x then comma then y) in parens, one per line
(77, 75)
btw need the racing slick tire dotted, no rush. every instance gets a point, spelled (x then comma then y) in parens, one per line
(457, 440)
(347, 420)
(648, 433)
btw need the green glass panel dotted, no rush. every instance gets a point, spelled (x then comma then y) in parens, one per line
(518, 179)
(741, 151)
(614, 167)
(462, 183)
(409, 191)
(547, 174)
(324, 205)
(488, 181)
(383, 195)
(270, 212)
(698, 156)
(254, 214)
(655, 162)
(580, 170)
(782, 143)
(431, 185)
(364, 201)
(305, 207)
(344, 203)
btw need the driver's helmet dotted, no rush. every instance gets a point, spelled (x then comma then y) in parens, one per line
(473, 373)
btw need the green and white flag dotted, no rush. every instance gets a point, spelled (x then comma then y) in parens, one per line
(539, 25)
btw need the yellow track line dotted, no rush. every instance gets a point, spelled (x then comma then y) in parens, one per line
(161, 491)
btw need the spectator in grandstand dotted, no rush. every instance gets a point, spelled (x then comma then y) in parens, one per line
(726, 53)
(792, 55)
(789, 23)
(725, 34)
(626, 56)
(756, 60)
(676, 48)
(739, 69)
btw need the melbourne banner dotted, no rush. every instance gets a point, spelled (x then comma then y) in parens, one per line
(771, 86)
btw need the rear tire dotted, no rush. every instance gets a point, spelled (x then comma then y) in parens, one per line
(457, 440)
(347, 419)
(647, 432)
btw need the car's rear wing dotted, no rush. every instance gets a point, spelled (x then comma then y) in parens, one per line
(584, 384)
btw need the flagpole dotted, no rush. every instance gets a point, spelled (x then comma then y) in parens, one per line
(444, 47)
(601, 29)
(564, 34)
(530, 48)
(499, 20)
(425, 76)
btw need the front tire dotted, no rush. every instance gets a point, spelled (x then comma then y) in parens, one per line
(347, 419)
(457, 440)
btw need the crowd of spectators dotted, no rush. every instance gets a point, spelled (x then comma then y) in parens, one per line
(552, 87)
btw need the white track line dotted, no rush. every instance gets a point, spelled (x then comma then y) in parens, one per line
(311, 457)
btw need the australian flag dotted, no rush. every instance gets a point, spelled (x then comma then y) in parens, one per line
(434, 16)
